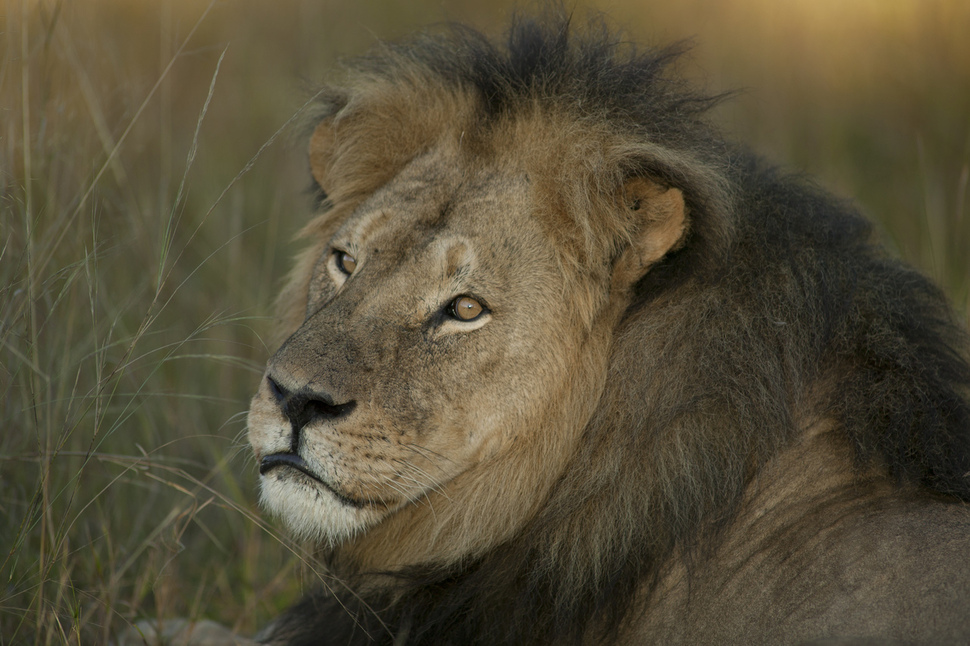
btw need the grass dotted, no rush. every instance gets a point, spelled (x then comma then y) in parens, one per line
(149, 189)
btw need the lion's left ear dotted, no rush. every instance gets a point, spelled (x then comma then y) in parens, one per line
(662, 217)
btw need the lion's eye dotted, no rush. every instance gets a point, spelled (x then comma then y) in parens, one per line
(465, 308)
(345, 262)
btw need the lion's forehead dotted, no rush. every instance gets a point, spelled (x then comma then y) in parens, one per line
(454, 218)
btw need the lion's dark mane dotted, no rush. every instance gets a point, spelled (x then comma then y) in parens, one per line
(780, 306)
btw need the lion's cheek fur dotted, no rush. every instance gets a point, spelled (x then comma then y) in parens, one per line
(499, 489)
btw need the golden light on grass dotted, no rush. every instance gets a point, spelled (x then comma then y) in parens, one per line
(145, 226)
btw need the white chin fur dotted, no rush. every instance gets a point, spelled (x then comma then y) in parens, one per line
(311, 512)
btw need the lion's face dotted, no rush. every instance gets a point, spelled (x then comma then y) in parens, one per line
(455, 342)
(438, 327)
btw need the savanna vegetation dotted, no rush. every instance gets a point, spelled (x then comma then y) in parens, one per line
(151, 182)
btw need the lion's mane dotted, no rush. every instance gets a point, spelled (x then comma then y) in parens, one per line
(779, 310)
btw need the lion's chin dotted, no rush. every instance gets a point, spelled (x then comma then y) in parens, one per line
(312, 512)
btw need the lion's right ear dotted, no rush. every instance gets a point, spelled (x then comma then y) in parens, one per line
(322, 153)
(662, 217)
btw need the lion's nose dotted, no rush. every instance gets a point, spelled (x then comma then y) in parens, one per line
(304, 406)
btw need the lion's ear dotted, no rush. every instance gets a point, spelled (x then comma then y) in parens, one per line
(662, 218)
(321, 153)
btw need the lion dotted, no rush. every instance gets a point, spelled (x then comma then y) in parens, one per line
(562, 365)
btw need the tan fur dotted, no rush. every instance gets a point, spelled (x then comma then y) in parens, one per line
(798, 565)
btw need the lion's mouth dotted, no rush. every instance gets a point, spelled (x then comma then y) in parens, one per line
(294, 461)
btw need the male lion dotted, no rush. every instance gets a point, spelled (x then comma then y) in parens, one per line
(563, 366)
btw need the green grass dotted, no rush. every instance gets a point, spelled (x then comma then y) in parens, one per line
(149, 190)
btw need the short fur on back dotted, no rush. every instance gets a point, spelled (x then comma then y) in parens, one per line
(777, 314)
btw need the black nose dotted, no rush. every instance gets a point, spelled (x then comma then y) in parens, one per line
(304, 406)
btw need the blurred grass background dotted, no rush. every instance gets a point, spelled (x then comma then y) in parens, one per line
(149, 192)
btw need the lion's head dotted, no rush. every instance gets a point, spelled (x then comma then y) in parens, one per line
(549, 328)
(454, 316)
(457, 321)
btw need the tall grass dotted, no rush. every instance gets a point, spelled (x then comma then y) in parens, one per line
(147, 199)
(136, 278)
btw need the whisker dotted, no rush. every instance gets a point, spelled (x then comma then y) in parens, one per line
(428, 482)
(426, 453)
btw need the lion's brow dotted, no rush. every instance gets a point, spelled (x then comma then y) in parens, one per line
(457, 259)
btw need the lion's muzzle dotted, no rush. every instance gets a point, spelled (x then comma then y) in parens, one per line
(302, 407)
